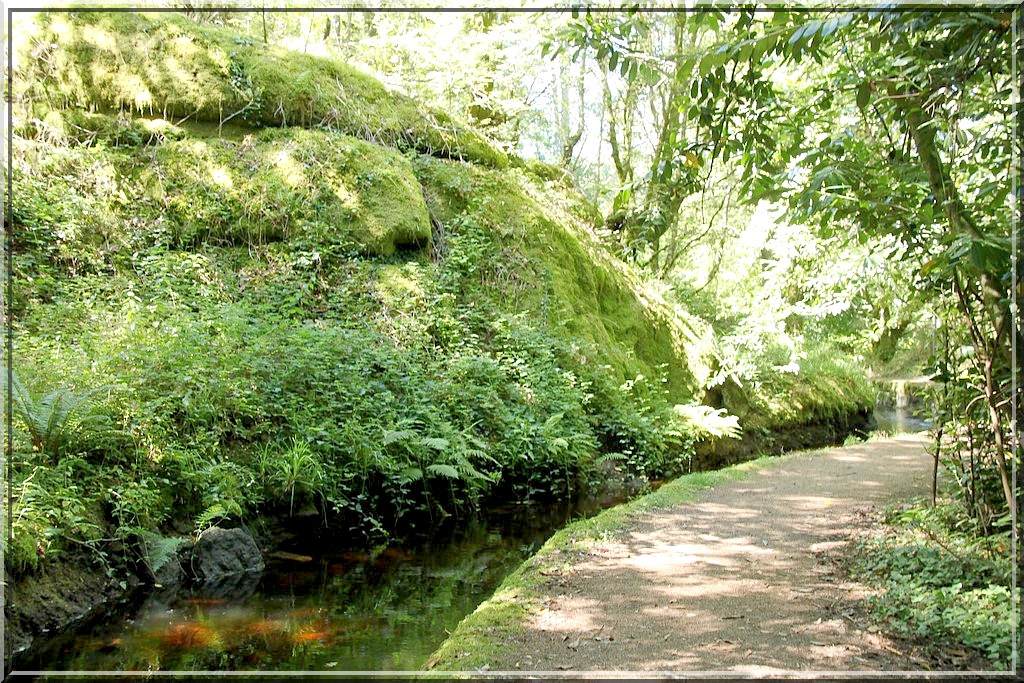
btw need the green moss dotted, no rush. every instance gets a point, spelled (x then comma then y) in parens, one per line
(823, 385)
(169, 66)
(584, 294)
(278, 184)
(76, 126)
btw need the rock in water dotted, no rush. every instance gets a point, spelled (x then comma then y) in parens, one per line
(220, 553)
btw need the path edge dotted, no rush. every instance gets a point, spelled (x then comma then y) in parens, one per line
(472, 646)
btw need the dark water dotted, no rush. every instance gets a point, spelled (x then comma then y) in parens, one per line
(384, 609)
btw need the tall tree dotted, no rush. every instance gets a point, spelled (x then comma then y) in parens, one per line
(885, 123)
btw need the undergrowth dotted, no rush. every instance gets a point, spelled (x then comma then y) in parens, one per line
(941, 580)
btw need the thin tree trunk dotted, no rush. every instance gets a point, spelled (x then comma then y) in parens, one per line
(621, 171)
(992, 293)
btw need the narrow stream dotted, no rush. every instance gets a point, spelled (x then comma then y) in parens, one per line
(317, 609)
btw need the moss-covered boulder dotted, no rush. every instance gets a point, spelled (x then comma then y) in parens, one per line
(168, 66)
(316, 186)
(285, 184)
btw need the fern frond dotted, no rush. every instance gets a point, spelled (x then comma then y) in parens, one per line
(437, 443)
(408, 474)
(209, 517)
(444, 470)
(710, 421)
(395, 435)
(24, 405)
(614, 455)
(553, 421)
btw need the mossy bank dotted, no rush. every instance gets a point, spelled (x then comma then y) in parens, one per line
(498, 621)
(269, 286)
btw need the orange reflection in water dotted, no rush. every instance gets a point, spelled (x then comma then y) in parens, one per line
(186, 636)
(266, 627)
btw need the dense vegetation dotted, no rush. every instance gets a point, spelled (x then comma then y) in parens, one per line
(940, 581)
(216, 321)
(250, 280)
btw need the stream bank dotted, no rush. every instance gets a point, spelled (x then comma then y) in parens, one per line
(718, 453)
(74, 618)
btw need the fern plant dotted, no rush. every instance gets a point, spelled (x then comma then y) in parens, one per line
(299, 468)
(707, 421)
(55, 418)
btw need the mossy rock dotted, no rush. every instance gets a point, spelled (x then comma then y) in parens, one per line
(284, 184)
(166, 65)
(320, 187)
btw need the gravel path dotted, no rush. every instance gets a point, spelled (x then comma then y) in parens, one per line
(738, 580)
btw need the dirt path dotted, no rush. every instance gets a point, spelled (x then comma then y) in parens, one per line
(738, 580)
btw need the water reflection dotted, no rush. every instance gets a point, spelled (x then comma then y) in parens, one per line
(317, 607)
(900, 420)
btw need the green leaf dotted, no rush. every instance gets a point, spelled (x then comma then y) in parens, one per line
(863, 95)
(444, 470)
(410, 474)
(394, 435)
(437, 443)
(830, 27)
(712, 60)
(621, 200)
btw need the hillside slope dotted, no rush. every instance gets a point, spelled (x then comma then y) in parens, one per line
(290, 291)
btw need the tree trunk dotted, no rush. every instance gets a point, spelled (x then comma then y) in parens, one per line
(624, 173)
(664, 192)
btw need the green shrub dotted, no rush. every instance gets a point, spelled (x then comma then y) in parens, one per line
(941, 583)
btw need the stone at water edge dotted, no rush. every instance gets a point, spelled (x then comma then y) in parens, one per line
(219, 553)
